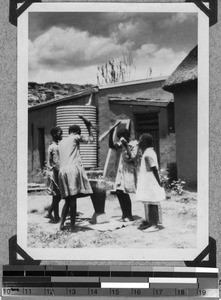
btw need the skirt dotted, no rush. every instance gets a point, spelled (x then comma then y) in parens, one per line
(126, 179)
(148, 189)
(52, 182)
(73, 181)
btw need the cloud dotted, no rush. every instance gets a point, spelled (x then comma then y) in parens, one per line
(78, 75)
(105, 23)
(60, 48)
(72, 45)
(178, 18)
(126, 31)
(163, 61)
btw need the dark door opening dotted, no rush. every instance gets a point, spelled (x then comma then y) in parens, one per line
(41, 147)
(148, 122)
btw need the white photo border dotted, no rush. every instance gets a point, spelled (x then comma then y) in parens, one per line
(119, 254)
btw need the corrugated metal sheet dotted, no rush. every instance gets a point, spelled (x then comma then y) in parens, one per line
(68, 115)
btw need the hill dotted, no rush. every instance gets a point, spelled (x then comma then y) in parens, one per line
(42, 92)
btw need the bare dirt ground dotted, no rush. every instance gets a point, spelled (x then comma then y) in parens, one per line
(179, 221)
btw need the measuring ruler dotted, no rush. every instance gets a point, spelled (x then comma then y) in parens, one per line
(115, 281)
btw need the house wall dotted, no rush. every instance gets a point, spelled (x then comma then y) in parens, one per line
(107, 116)
(43, 117)
(186, 135)
(110, 113)
(167, 141)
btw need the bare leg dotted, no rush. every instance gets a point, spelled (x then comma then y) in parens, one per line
(73, 209)
(153, 214)
(50, 210)
(122, 204)
(56, 200)
(64, 212)
(127, 207)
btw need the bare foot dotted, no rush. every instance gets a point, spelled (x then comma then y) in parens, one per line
(128, 219)
(152, 228)
(62, 227)
(144, 225)
(72, 229)
(48, 216)
(55, 221)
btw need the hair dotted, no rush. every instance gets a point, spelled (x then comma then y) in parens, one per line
(55, 130)
(74, 129)
(146, 139)
(123, 132)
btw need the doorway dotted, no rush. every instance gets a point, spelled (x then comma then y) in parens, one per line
(148, 123)
(41, 147)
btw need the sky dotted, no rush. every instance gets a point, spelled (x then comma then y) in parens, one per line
(68, 47)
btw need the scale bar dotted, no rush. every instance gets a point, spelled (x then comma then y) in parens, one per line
(172, 280)
(125, 285)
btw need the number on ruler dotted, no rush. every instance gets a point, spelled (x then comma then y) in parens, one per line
(72, 291)
(93, 291)
(137, 292)
(7, 291)
(180, 292)
(202, 292)
(114, 292)
(157, 292)
(27, 291)
(50, 291)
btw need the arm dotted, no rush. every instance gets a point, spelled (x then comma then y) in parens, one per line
(111, 141)
(48, 161)
(156, 174)
(113, 145)
(151, 162)
(55, 160)
(90, 134)
(125, 144)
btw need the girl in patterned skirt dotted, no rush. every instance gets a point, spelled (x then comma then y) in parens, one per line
(126, 179)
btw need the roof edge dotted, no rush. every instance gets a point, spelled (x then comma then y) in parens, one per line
(132, 82)
(73, 96)
(175, 87)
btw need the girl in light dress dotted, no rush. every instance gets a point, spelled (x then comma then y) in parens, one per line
(149, 185)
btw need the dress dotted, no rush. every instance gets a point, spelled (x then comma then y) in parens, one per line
(126, 179)
(52, 170)
(73, 179)
(148, 189)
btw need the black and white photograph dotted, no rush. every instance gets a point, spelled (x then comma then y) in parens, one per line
(113, 120)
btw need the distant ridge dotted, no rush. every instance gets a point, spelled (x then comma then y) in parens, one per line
(42, 92)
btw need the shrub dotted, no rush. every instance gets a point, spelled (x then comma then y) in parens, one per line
(164, 178)
(177, 186)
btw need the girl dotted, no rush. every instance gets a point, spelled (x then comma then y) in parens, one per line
(149, 186)
(126, 179)
(73, 180)
(52, 174)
